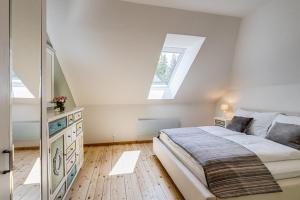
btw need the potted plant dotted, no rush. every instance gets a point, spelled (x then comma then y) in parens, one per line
(60, 103)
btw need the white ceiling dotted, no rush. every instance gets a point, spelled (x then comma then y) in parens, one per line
(109, 50)
(237, 8)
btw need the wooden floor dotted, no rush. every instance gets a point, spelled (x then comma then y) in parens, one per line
(148, 181)
(24, 161)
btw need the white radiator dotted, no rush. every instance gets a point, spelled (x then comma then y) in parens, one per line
(148, 127)
(26, 130)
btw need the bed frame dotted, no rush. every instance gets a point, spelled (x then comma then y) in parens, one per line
(191, 188)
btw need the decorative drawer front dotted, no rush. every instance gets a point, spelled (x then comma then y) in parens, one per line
(77, 116)
(71, 162)
(79, 150)
(79, 128)
(79, 143)
(57, 162)
(220, 123)
(74, 133)
(68, 138)
(70, 150)
(70, 119)
(57, 125)
(79, 158)
(70, 135)
(71, 175)
(60, 195)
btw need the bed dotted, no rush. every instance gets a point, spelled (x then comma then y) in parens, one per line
(282, 161)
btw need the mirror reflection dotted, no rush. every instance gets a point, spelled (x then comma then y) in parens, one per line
(26, 97)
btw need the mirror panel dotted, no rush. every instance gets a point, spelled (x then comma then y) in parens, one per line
(26, 44)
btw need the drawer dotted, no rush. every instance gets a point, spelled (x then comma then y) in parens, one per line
(74, 133)
(71, 175)
(79, 151)
(70, 136)
(79, 158)
(79, 143)
(220, 123)
(60, 195)
(56, 126)
(71, 162)
(79, 128)
(70, 150)
(57, 162)
(77, 116)
(70, 119)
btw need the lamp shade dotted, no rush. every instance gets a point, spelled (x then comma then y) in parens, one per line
(224, 107)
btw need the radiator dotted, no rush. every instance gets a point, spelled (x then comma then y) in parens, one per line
(148, 127)
(26, 130)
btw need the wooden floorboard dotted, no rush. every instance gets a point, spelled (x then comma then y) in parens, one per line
(148, 181)
(24, 161)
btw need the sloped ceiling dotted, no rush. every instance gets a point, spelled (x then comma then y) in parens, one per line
(26, 43)
(237, 8)
(108, 49)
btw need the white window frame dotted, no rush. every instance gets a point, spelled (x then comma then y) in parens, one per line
(188, 47)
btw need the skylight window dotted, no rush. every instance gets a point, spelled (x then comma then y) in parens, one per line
(176, 58)
(169, 59)
(19, 90)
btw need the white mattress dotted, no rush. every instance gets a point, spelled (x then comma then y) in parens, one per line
(282, 161)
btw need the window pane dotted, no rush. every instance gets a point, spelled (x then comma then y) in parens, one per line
(166, 65)
(19, 90)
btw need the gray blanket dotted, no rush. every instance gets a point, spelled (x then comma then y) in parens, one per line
(231, 170)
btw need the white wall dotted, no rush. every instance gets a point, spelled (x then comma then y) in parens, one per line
(108, 123)
(266, 69)
(109, 50)
(26, 123)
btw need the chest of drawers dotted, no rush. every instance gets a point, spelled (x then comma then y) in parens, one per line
(66, 154)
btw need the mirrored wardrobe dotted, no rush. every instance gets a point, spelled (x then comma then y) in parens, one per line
(25, 63)
(41, 143)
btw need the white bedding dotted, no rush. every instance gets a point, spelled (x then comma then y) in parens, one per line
(282, 161)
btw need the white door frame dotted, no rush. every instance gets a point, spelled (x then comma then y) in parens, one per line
(44, 103)
(5, 102)
(6, 183)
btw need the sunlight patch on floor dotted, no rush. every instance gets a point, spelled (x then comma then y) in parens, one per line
(34, 176)
(126, 163)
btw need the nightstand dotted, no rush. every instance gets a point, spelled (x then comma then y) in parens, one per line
(220, 121)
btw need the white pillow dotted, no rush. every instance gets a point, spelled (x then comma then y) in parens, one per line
(244, 113)
(285, 119)
(261, 121)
